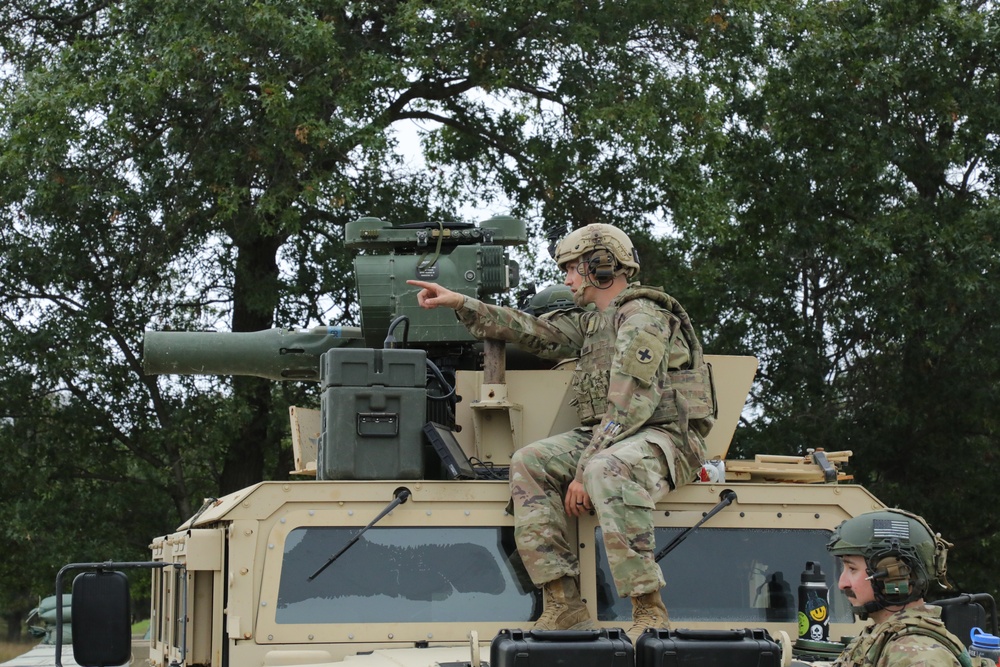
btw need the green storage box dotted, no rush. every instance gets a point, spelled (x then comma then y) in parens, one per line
(373, 409)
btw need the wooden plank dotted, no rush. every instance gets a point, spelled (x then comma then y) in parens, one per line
(794, 470)
(306, 427)
(833, 457)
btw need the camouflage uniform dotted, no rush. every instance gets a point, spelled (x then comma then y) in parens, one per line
(913, 637)
(642, 432)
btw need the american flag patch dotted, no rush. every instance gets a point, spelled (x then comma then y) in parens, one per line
(891, 528)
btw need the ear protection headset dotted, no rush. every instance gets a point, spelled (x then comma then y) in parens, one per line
(601, 264)
(897, 578)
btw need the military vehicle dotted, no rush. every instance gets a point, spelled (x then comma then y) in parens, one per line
(394, 545)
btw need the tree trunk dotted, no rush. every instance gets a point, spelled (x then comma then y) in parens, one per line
(255, 297)
(13, 620)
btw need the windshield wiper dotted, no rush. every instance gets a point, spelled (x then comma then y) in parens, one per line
(727, 498)
(401, 497)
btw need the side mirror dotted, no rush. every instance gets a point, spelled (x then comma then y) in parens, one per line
(101, 619)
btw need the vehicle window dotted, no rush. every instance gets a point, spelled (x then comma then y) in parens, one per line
(731, 574)
(426, 574)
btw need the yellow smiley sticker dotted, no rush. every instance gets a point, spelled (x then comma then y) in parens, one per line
(818, 614)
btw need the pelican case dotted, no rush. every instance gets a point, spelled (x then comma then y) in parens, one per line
(606, 647)
(706, 648)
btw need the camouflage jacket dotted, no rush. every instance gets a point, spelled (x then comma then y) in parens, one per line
(913, 637)
(639, 361)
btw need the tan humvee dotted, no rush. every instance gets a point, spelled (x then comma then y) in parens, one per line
(438, 577)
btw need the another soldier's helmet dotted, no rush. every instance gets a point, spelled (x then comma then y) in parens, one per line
(902, 554)
(605, 250)
(553, 297)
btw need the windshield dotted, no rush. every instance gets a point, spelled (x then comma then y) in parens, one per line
(732, 574)
(426, 574)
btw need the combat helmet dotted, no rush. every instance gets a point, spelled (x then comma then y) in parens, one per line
(604, 251)
(553, 297)
(903, 556)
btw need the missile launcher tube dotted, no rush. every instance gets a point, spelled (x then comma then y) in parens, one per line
(274, 354)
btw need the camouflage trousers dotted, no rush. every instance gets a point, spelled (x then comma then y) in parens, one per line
(624, 482)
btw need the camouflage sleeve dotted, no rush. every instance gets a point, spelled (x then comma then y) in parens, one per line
(647, 346)
(555, 335)
(917, 651)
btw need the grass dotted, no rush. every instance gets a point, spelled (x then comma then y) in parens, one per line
(139, 629)
(10, 650)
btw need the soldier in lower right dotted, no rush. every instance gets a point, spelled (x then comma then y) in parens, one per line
(890, 559)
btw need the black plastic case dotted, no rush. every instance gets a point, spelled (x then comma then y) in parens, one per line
(606, 647)
(707, 648)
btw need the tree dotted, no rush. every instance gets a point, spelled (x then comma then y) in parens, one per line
(177, 166)
(861, 257)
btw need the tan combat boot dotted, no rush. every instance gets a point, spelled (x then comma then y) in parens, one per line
(563, 609)
(647, 612)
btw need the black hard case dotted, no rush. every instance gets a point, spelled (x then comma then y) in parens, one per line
(706, 648)
(606, 647)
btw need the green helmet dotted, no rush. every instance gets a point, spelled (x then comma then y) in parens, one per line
(606, 250)
(902, 554)
(553, 297)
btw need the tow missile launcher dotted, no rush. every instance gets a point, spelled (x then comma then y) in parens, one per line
(377, 556)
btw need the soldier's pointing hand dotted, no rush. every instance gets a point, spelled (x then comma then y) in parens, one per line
(432, 295)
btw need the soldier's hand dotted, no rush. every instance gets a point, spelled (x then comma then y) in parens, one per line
(432, 295)
(577, 499)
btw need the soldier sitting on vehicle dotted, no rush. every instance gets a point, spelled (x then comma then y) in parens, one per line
(644, 397)
(890, 559)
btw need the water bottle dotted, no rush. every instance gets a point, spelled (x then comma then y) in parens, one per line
(985, 645)
(814, 610)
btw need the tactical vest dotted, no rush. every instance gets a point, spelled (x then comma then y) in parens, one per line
(869, 649)
(691, 395)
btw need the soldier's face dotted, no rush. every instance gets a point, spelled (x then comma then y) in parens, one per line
(854, 581)
(578, 285)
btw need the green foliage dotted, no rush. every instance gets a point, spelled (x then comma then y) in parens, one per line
(860, 258)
